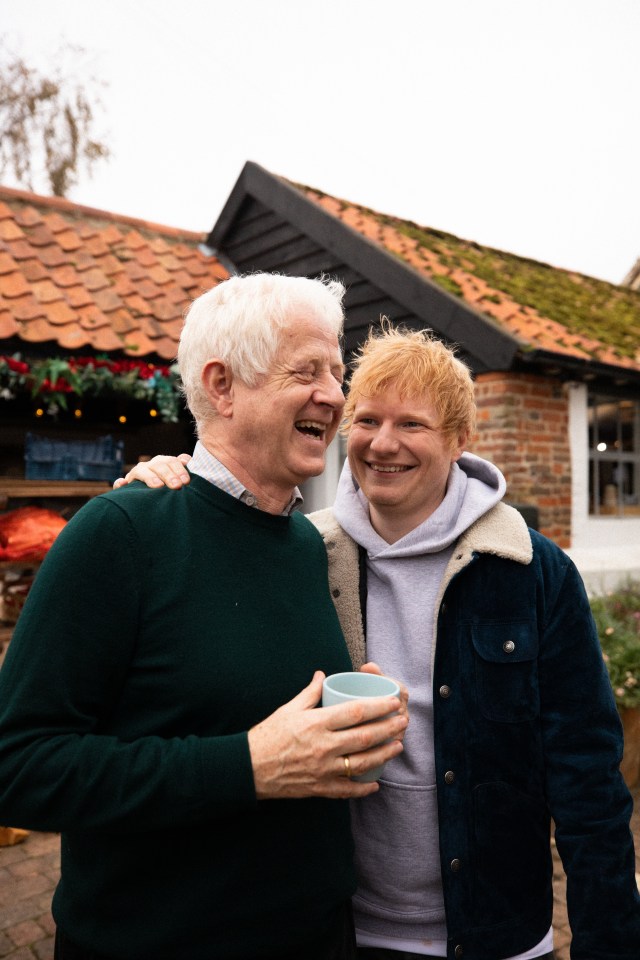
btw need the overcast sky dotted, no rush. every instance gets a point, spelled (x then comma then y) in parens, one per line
(514, 123)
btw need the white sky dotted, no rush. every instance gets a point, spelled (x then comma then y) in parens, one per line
(514, 123)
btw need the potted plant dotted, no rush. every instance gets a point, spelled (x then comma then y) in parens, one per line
(617, 617)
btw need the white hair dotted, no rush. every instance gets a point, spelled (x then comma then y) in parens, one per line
(239, 321)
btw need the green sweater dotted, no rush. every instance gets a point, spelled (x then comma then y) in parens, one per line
(163, 625)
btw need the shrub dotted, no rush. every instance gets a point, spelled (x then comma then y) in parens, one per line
(617, 617)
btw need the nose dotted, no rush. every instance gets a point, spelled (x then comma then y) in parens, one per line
(329, 392)
(384, 441)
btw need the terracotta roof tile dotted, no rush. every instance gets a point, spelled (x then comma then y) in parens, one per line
(78, 296)
(33, 270)
(111, 235)
(9, 327)
(159, 275)
(65, 276)
(123, 285)
(184, 280)
(20, 249)
(546, 307)
(146, 256)
(91, 317)
(53, 256)
(84, 278)
(196, 267)
(46, 291)
(164, 309)
(159, 245)
(135, 240)
(60, 313)
(137, 304)
(13, 285)
(166, 348)
(73, 338)
(107, 299)
(123, 321)
(7, 263)
(110, 265)
(9, 230)
(148, 290)
(55, 222)
(38, 330)
(137, 344)
(104, 339)
(41, 236)
(69, 240)
(169, 262)
(96, 247)
(28, 217)
(95, 279)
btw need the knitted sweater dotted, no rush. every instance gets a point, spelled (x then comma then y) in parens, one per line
(161, 627)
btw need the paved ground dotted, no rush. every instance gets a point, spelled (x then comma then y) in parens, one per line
(29, 872)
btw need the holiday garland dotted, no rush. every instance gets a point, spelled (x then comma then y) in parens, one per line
(55, 380)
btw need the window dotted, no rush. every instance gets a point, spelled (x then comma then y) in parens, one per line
(614, 456)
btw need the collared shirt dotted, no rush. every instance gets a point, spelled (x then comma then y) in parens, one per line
(205, 465)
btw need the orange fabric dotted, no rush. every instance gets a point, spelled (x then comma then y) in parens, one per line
(27, 533)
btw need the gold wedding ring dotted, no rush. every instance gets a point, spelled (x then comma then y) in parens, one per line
(347, 767)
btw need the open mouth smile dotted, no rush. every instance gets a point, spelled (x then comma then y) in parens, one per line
(311, 428)
(390, 468)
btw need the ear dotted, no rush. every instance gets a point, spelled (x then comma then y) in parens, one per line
(458, 446)
(217, 381)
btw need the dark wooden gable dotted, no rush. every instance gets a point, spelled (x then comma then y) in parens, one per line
(267, 224)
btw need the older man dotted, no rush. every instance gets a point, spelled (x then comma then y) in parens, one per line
(513, 719)
(157, 704)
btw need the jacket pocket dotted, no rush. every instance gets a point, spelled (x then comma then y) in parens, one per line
(506, 669)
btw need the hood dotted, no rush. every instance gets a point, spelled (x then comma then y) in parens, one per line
(474, 487)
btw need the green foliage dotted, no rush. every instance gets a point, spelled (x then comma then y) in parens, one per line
(584, 305)
(448, 284)
(52, 381)
(617, 617)
(46, 121)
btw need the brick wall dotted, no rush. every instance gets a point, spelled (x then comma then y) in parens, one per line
(523, 427)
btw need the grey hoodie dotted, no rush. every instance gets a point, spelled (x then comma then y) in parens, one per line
(396, 830)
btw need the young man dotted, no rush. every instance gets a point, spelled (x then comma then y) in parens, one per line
(513, 718)
(155, 704)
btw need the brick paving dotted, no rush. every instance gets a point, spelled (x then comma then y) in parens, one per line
(29, 873)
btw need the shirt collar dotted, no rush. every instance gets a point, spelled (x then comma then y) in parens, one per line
(205, 465)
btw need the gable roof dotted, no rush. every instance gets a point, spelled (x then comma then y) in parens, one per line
(504, 311)
(83, 280)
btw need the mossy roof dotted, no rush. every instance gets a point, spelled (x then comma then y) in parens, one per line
(544, 307)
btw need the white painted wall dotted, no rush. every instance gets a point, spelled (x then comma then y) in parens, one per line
(606, 550)
(320, 492)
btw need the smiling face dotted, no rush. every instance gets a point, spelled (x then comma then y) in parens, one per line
(275, 435)
(400, 458)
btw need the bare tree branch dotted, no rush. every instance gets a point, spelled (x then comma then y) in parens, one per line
(47, 117)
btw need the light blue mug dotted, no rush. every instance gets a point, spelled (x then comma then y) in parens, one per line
(342, 687)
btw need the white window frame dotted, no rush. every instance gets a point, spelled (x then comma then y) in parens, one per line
(606, 549)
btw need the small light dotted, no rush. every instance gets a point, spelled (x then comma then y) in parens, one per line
(601, 447)
(153, 412)
(77, 413)
(122, 418)
(39, 412)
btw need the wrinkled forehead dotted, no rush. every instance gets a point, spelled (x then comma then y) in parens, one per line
(309, 334)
